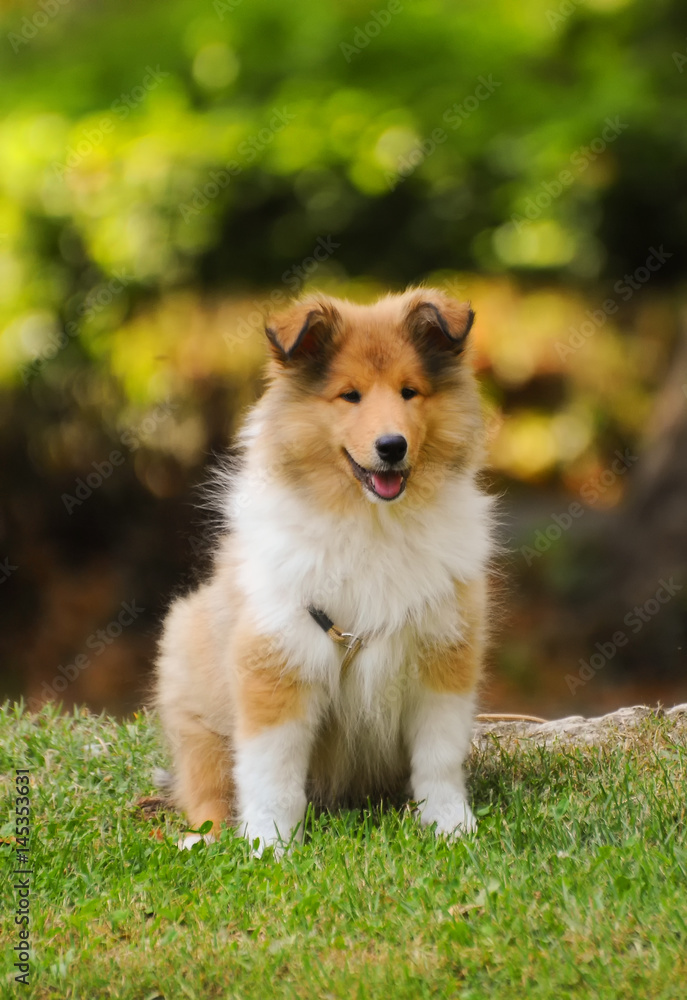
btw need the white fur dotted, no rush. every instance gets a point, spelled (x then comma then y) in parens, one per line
(291, 557)
(270, 774)
(186, 842)
(387, 573)
(439, 737)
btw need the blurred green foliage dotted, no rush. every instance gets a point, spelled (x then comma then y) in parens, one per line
(192, 143)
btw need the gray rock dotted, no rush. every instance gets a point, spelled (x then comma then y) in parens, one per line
(575, 729)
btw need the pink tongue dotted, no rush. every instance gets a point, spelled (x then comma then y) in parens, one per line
(387, 484)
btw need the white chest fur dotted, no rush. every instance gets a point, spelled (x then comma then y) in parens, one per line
(385, 574)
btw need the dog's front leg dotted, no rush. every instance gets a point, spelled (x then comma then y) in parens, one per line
(275, 727)
(441, 717)
(439, 738)
(270, 774)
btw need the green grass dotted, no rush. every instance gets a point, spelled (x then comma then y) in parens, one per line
(574, 886)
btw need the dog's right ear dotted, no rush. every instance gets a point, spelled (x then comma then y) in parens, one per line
(439, 322)
(302, 332)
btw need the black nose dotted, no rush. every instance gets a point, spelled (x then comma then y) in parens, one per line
(391, 447)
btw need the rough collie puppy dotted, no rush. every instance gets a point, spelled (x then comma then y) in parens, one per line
(335, 652)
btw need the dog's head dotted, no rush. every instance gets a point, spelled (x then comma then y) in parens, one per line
(374, 400)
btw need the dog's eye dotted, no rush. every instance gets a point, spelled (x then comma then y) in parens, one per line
(351, 397)
(408, 393)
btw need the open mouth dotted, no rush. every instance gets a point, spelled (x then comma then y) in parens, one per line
(387, 484)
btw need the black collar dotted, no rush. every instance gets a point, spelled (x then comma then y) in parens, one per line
(347, 639)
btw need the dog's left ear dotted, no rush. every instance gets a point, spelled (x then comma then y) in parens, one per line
(441, 322)
(302, 331)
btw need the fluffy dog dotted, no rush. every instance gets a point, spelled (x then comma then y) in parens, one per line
(335, 651)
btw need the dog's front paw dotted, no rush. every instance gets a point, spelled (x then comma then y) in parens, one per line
(186, 842)
(260, 843)
(266, 834)
(453, 817)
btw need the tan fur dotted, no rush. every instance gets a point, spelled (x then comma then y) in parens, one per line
(266, 693)
(204, 773)
(457, 668)
(444, 428)
(218, 679)
(194, 700)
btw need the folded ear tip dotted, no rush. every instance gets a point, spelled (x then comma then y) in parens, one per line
(470, 320)
(452, 318)
(299, 330)
(273, 339)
